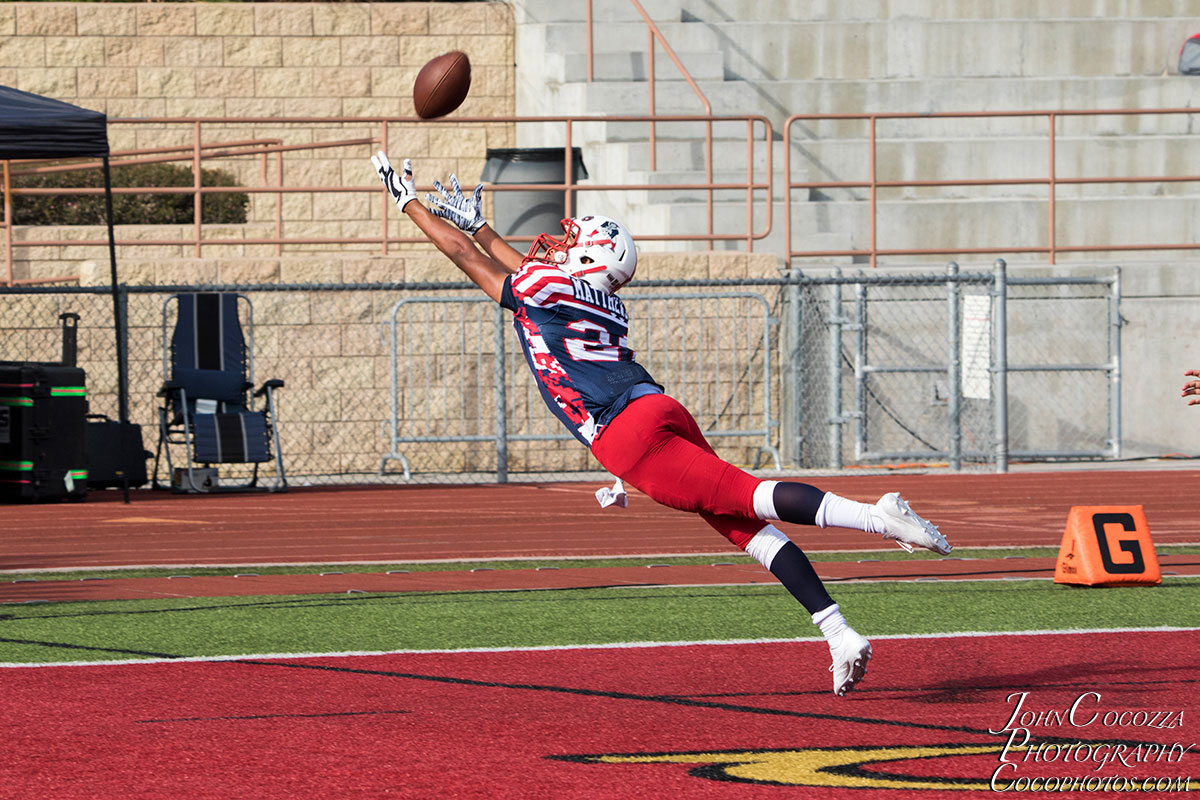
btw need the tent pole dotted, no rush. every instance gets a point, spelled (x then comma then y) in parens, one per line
(118, 324)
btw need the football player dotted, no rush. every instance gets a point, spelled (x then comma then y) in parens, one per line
(573, 330)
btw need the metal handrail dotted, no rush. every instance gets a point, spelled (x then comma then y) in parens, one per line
(1051, 248)
(198, 151)
(656, 35)
(154, 155)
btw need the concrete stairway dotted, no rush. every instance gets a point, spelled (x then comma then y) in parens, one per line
(778, 57)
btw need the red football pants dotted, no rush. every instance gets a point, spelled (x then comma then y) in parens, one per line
(656, 446)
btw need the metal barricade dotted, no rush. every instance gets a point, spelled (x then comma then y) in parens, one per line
(455, 385)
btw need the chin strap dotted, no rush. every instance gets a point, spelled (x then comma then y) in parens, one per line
(613, 497)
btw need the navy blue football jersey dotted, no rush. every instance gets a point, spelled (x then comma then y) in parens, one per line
(574, 339)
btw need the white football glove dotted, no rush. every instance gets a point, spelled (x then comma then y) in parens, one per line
(401, 187)
(615, 496)
(465, 212)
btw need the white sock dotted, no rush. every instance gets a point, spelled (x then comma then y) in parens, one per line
(766, 544)
(764, 500)
(837, 511)
(830, 621)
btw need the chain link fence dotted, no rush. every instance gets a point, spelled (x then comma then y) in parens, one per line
(882, 381)
(965, 368)
(462, 401)
(1063, 363)
(402, 382)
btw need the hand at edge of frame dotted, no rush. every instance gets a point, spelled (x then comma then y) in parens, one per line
(1192, 388)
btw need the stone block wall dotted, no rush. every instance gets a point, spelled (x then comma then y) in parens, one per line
(251, 59)
(229, 61)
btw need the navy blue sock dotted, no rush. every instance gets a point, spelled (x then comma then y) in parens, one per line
(794, 571)
(797, 502)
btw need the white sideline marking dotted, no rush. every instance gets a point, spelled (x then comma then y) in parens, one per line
(603, 646)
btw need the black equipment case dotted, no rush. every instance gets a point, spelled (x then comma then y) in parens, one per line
(109, 444)
(43, 410)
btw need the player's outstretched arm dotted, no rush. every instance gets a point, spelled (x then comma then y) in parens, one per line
(1192, 388)
(498, 248)
(486, 272)
(466, 213)
(483, 270)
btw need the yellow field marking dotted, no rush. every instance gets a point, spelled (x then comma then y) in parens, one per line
(824, 767)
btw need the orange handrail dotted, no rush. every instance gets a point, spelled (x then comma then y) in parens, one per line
(8, 243)
(656, 35)
(1051, 247)
(156, 155)
(197, 152)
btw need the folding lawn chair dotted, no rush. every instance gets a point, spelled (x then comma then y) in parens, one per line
(208, 373)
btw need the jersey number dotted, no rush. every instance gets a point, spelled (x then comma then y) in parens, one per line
(598, 346)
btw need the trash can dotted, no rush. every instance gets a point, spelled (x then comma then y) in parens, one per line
(530, 212)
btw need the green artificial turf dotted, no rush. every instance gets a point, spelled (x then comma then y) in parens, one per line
(371, 622)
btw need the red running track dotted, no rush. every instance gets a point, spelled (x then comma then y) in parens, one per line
(701, 721)
(411, 523)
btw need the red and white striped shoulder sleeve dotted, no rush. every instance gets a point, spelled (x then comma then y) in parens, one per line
(542, 285)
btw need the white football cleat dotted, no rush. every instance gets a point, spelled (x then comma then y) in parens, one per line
(907, 528)
(850, 652)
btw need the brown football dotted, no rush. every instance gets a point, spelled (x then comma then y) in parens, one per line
(442, 85)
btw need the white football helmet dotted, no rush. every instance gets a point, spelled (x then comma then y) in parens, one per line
(594, 248)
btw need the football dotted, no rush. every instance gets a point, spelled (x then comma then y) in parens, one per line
(442, 85)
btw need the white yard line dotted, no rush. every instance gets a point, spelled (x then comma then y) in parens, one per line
(607, 646)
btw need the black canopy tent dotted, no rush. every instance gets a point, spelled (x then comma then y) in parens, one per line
(32, 126)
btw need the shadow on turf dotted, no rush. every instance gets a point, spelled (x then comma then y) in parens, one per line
(955, 691)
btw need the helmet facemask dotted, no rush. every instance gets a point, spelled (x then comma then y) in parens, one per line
(594, 249)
